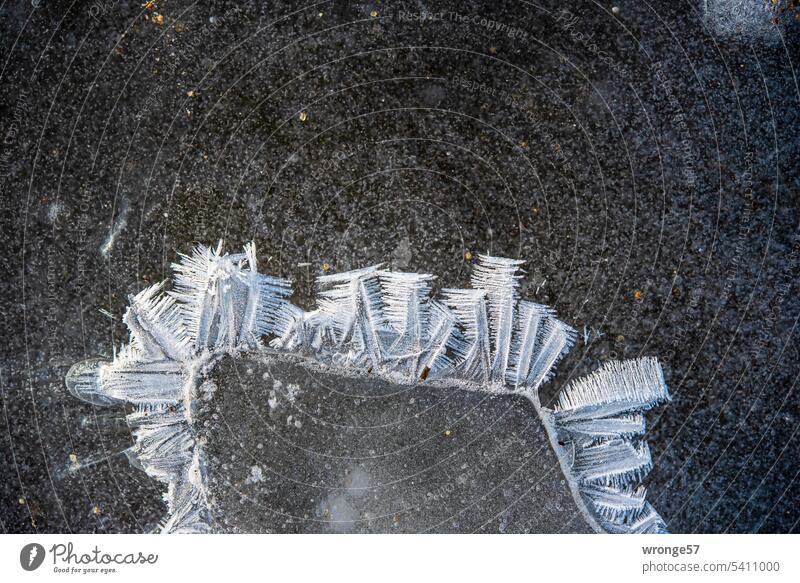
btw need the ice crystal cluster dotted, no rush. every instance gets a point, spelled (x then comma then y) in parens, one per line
(372, 321)
(750, 20)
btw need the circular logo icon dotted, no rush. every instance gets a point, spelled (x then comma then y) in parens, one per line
(31, 556)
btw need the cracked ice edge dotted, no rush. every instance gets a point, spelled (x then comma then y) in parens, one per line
(485, 336)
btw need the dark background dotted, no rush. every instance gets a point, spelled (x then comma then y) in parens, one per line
(642, 160)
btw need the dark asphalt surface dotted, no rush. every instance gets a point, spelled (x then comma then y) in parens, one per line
(643, 161)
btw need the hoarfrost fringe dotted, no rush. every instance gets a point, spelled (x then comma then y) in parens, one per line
(386, 323)
(600, 417)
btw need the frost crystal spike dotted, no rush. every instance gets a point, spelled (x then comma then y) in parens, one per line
(498, 277)
(407, 310)
(384, 323)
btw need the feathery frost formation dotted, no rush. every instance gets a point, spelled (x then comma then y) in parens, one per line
(219, 303)
(600, 416)
(385, 323)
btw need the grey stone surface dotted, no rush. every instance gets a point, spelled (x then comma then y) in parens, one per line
(640, 151)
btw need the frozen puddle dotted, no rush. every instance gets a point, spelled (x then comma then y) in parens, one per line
(383, 410)
(360, 454)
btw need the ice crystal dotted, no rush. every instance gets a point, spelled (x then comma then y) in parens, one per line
(385, 323)
(750, 20)
(600, 418)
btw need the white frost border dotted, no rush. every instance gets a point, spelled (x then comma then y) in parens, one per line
(386, 323)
